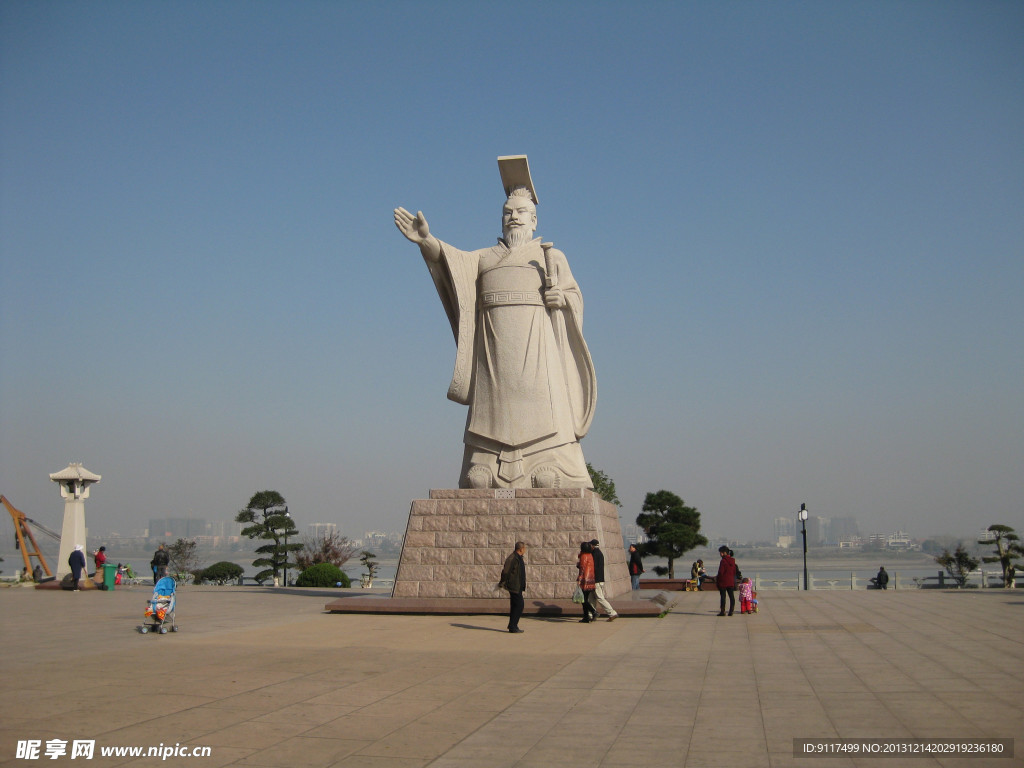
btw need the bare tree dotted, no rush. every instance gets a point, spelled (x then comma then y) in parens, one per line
(183, 557)
(325, 547)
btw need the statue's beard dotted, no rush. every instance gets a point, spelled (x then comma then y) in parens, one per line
(516, 236)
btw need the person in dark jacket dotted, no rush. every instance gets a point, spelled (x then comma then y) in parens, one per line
(599, 597)
(726, 580)
(77, 562)
(513, 578)
(636, 566)
(881, 581)
(161, 559)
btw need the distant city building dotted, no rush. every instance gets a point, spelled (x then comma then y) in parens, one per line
(821, 531)
(895, 540)
(788, 531)
(634, 534)
(224, 528)
(814, 530)
(783, 529)
(178, 528)
(843, 529)
(317, 530)
(898, 540)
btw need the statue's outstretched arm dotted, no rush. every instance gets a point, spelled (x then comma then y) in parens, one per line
(416, 230)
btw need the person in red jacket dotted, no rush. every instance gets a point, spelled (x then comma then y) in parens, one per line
(726, 579)
(585, 564)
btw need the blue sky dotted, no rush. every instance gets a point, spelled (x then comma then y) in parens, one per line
(797, 227)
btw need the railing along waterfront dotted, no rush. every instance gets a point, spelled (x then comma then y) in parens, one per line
(942, 580)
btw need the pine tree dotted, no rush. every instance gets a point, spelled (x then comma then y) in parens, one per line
(268, 518)
(672, 528)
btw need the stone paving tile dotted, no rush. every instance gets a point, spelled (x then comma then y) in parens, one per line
(366, 761)
(494, 760)
(282, 684)
(252, 734)
(306, 712)
(304, 752)
(356, 726)
(724, 755)
(218, 758)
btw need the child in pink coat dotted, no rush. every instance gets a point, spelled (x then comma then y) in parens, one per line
(746, 596)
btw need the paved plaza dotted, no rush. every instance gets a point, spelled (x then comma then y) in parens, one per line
(266, 677)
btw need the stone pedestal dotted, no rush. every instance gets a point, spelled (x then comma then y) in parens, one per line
(457, 540)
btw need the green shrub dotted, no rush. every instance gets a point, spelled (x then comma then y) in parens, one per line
(222, 573)
(322, 575)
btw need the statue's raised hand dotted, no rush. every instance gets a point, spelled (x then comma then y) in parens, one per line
(413, 227)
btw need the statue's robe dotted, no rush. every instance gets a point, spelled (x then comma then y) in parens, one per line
(524, 370)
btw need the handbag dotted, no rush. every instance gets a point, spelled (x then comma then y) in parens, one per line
(577, 596)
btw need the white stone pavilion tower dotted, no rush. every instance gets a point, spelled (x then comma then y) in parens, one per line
(74, 481)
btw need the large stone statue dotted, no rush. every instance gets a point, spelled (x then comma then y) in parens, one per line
(521, 363)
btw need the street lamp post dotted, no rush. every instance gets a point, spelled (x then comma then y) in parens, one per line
(802, 517)
(290, 522)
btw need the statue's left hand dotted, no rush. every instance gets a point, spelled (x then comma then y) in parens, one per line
(554, 298)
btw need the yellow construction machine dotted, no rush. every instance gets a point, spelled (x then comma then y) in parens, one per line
(25, 537)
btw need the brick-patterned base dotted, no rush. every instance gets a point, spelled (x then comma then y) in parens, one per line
(457, 541)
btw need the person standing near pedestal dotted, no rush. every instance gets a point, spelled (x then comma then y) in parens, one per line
(585, 579)
(636, 566)
(599, 596)
(513, 578)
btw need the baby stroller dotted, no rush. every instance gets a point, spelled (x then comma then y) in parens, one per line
(160, 610)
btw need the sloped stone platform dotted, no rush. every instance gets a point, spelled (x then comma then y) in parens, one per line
(628, 607)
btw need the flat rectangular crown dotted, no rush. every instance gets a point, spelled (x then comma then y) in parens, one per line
(515, 172)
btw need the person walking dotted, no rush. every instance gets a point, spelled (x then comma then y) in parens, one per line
(513, 578)
(585, 564)
(599, 596)
(77, 562)
(726, 580)
(636, 566)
